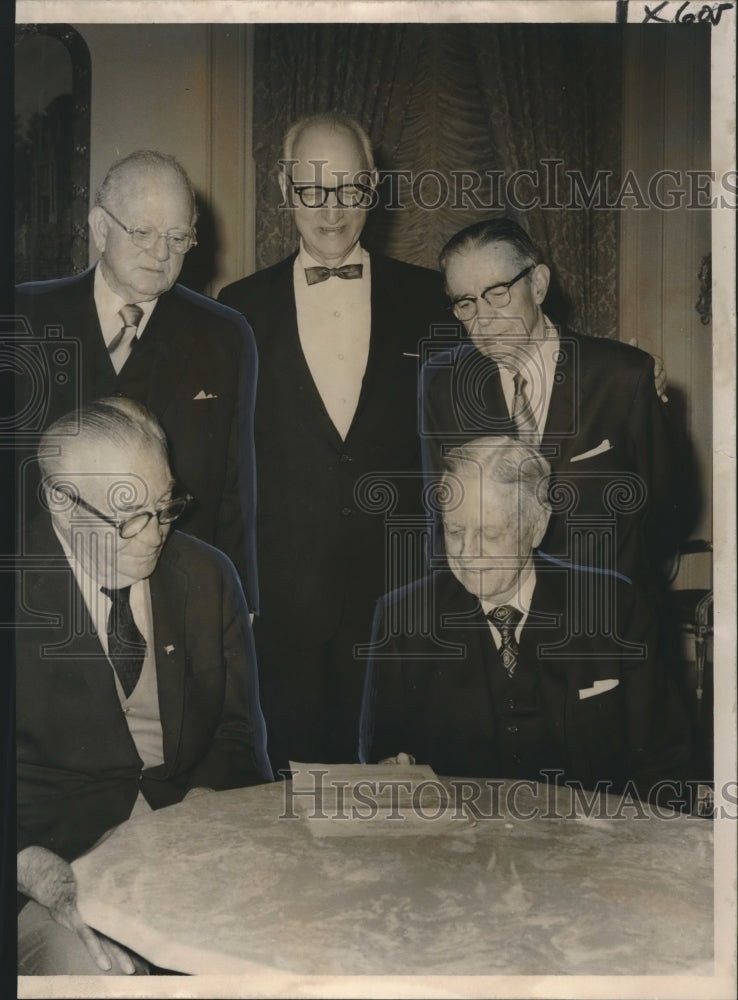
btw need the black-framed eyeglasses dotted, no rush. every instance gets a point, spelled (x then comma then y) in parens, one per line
(132, 526)
(347, 195)
(496, 295)
(145, 237)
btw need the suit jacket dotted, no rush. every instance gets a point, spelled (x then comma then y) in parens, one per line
(317, 539)
(77, 766)
(610, 712)
(606, 437)
(191, 347)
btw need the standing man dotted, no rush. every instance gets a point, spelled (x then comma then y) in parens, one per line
(132, 331)
(590, 404)
(337, 330)
(136, 677)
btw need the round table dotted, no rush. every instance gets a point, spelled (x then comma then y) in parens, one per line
(235, 882)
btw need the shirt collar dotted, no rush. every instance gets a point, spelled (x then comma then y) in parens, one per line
(306, 259)
(523, 595)
(108, 304)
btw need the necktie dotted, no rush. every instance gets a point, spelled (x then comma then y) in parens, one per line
(506, 619)
(120, 346)
(315, 274)
(522, 412)
(126, 645)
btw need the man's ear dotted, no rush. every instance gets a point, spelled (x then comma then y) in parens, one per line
(282, 178)
(540, 279)
(99, 227)
(544, 516)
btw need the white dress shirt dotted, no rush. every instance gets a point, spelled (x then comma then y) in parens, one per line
(521, 601)
(141, 707)
(108, 305)
(334, 323)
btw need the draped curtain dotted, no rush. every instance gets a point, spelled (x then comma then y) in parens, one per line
(447, 104)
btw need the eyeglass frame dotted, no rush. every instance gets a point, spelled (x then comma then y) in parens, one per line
(130, 231)
(506, 285)
(119, 525)
(364, 188)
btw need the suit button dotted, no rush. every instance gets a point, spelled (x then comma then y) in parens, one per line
(346, 458)
(513, 729)
(510, 703)
(345, 511)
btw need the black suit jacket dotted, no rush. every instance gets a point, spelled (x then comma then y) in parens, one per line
(77, 766)
(191, 347)
(428, 690)
(607, 438)
(318, 540)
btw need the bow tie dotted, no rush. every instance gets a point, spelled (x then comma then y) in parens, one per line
(315, 274)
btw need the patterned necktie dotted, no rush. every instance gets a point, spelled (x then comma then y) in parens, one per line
(120, 346)
(315, 274)
(126, 645)
(522, 412)
(506, 619)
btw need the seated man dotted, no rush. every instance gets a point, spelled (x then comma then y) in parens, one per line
(508, 663)
(136, 675)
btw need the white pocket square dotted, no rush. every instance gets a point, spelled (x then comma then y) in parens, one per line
(599, 687)
(206, 395)
(599, 450)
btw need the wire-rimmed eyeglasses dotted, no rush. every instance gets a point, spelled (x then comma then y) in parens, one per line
(496, 295)
(132, 526)
(145, 237)
(347, 195)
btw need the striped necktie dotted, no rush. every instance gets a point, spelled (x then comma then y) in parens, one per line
(120, 346)
(126, 645)
(522, 414)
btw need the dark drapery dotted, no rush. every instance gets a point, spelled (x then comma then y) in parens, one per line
(447, 103)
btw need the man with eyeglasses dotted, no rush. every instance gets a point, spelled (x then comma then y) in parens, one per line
(337, 329)
(135, 670)
(128, 328)
(590, 404)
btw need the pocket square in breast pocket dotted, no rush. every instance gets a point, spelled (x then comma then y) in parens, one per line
(599, 450)
(205, 395)
(599, 687)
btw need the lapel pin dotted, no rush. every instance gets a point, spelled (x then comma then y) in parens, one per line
(169, 649)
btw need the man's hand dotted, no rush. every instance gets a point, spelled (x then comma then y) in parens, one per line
(401, 758)
(659, 373)
(48, 879)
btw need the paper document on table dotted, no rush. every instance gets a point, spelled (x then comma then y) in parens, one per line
(355, 800)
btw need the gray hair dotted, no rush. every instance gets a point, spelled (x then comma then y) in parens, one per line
(336, 120)
(116, 419)
(506, 460)
(488, 232)
(143, 161)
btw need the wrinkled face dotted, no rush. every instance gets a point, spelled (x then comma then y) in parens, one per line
(498, 330)
(327, 157)
(119, 481)
(489, 536)
(150, 199)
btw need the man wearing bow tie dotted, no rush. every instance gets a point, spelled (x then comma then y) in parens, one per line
(590, 404)
(506, 663)
(128, 328)
(337, 329)
(135, 670)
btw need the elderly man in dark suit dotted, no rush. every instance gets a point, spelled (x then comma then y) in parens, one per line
(590, 404)
(135, 670)
(133, 331)
(337, 329)
(508, 664)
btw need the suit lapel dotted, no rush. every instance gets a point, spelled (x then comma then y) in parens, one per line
(81, 320)
(563, 415)
(156, 366)
(168, 586)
